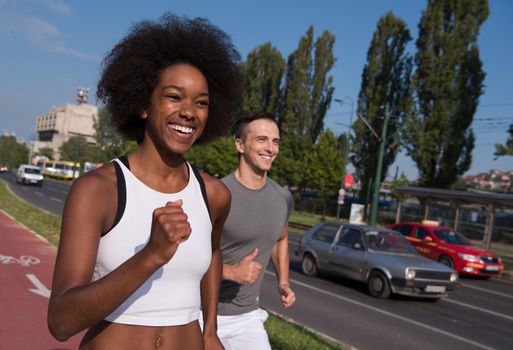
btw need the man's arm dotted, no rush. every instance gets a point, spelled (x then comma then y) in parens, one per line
(280, 259)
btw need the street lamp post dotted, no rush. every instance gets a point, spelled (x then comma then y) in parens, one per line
(377, 178)
(341, 101)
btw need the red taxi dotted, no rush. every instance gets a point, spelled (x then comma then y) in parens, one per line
(443, 244)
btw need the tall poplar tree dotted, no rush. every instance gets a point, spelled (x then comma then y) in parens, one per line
(262, 74)
(448, 83)
(308, 94)
(385, 83)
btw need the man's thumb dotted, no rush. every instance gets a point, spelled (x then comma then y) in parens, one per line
(251, 256)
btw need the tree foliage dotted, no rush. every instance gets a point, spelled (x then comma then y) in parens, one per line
(12, 153)
(77, 149)
(218, 158)
(109, 141)
(323, 166)
(506, 149)
(385, 82)
(46, 152)
(448, 83)
(402, 181)
(308, 94)
(262, 74)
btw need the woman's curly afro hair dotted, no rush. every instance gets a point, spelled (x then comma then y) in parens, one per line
(131, 71)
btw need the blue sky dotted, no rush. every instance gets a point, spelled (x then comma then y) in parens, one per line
(49, 48)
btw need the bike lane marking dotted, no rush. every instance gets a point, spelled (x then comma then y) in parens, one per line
(26, 267)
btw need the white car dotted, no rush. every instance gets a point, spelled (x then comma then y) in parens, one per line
(29, 174)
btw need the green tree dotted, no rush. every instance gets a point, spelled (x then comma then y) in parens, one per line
(262, 74)
(77, 149)
(323, 167)
(385, 82)
(308, 94)
(448, 82)
(402, 181)
(218, 158)
(130, 147)
(47, 152)
(12, 153)
(507, 149)
(109, 142)
(286, 169)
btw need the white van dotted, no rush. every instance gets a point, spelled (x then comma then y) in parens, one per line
(29, 174)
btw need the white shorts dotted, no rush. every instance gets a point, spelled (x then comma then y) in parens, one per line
(243, 332)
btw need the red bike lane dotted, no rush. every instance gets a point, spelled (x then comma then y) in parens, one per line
(26, 267)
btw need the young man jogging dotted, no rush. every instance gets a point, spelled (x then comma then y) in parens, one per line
(255, 231)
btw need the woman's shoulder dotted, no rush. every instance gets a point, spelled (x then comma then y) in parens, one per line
(96, 181)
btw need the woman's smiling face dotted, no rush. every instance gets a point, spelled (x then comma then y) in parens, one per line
(178, 108)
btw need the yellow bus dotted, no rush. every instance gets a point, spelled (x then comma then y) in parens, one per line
(59, 169)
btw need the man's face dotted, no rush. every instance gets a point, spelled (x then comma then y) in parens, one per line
(259, 144)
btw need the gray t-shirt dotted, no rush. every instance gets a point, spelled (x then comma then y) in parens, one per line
(256, 220)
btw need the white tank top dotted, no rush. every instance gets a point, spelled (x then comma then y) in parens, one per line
(171, 296)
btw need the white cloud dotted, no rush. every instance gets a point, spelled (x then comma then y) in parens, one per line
(40, 33)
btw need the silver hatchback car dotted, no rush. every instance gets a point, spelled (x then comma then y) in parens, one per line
(380, 257)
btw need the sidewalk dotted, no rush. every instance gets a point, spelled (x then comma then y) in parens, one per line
(26, 267)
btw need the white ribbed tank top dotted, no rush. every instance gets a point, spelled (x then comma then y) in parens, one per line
(171, 296)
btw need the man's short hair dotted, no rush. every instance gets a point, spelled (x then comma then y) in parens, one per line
(246, 118)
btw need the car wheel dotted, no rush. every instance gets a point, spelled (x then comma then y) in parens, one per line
(309, 266)
(378, 285)
(447, 261)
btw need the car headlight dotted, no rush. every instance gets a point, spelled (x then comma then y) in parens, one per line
(454, 276)
(410, 274)
(468, 257)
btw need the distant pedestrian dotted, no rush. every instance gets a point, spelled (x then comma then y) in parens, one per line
(256, 230)
(139, 250)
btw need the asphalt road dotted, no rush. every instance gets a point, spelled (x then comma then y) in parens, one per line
(479, 315)
(50, 197)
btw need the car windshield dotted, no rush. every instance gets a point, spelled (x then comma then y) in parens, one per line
(32, 171)
(388, 241)
(451, 237)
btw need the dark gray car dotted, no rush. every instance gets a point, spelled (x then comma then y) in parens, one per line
(380, 257)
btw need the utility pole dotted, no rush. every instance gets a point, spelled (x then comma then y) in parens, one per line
(346, 155)
(377, 178)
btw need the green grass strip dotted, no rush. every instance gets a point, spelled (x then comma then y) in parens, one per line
(285, 335)
(47, 225)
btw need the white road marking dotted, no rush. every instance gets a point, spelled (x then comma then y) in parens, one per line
(56, 199)
(24, 260)
(405, 319)
(40, 287)
(39, 194)
(479, 309)
(487, 291)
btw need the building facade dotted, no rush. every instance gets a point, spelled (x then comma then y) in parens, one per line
(62, 122)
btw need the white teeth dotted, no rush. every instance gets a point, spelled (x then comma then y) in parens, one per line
(182, 129)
